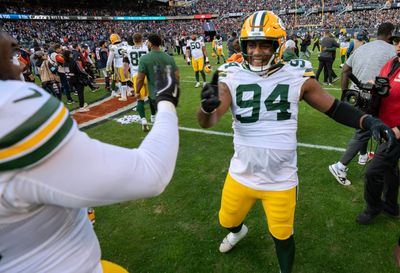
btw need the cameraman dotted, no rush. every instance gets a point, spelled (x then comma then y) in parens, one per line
(365, 63)
(48, 75)
(382, 174)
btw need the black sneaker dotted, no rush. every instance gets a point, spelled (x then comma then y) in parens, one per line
(365, 218)
(390, 214)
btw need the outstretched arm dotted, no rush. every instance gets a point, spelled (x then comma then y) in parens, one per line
(344, 113)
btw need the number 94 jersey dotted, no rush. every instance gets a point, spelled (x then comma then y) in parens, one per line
(134, 53)
(265, 108)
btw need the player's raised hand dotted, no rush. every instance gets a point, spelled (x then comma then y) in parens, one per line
(167, 87)
(209, 95)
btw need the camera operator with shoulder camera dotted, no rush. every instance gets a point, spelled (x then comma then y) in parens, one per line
(365, 63)
(382, 174)
(48, 75)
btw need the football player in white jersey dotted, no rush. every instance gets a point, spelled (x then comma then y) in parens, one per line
(196, 49)
(217, 46)
(133, 55)
(263, 95)
(44, 224)
(115, 57)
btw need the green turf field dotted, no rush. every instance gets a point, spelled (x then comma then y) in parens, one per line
(179, 231)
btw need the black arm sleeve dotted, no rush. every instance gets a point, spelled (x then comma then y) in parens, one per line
(345, 114)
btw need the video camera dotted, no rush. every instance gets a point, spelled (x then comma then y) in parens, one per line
(366, 96)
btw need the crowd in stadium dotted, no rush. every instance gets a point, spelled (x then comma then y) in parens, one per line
(75, 31)
(198, 7)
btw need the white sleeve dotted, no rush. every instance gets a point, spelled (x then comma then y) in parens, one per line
(110, 59)
(86, 172)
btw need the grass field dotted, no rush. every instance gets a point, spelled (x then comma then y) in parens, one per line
(179, 230)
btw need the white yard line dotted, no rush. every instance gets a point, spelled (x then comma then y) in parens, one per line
(306, 145)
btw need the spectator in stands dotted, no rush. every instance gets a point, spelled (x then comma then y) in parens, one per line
(46, 187)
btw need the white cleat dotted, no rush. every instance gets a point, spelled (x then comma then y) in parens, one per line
(232, 239)
(340, 175)
(197, 85)
(363, 159)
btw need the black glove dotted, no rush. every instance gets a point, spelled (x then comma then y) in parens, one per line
(380, 131)
(167, 87)
(188, 61)
(209, 95)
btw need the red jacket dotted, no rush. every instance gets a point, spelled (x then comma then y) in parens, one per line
(389, 110)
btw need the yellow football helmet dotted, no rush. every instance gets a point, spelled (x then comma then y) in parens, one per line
(263, 25)
(114, 38)
(207, 69)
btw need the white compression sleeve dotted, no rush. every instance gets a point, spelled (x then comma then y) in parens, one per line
(87, 172)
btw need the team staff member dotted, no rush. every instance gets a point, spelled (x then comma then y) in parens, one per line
(383, 172)
(44, 224)
(264, 98)
(146, 69)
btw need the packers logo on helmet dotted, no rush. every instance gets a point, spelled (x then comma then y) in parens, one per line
(263, 26)
(207, 68)
(114, 38)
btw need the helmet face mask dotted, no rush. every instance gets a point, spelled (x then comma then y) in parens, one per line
(259, 27)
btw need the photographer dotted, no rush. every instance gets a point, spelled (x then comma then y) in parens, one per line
(77, 78)
(48, 75)
(365, 63)
(382, 174)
